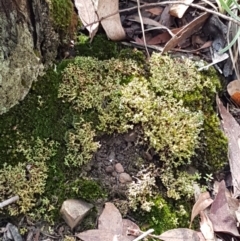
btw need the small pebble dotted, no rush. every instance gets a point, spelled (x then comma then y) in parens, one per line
(114, 174)
(119, 168)
(124, 177)
(109, 169)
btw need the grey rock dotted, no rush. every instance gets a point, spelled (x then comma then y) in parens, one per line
(109, 169)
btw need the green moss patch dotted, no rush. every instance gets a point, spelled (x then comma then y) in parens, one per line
(70, 107)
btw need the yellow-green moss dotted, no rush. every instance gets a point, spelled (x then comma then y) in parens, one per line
(113, 96)
(80, 144)
(173, 105)
(39, 117)
(27, 179)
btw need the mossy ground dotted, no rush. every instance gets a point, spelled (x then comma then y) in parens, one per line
(43, 115)
(65, 20)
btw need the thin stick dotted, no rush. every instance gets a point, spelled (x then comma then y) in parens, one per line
(142, 27)
(166, 3)
(143, 235)
(9, 201)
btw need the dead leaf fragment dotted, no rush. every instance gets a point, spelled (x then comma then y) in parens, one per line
(112, 25)
(130, 229)
(206, 227)
(99, 235)
(155, 11)
(111, 220)
(87, 14)
(186, 32)
(220, 214)
(202, 203)
(232, 131)
(180, 234)
(178, 10)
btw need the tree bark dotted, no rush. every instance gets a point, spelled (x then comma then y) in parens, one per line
(27, 43)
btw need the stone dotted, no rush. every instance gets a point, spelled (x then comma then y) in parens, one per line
(124, 177)
(73, 211)
(119, 168)
(109, 169)
(114, 174)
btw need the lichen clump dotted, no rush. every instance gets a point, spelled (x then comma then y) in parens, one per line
(27, 179)
(168, 98)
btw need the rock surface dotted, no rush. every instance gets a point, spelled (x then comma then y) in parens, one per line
(119, 168)
(27, 40)
(73, 211)
(124, 177)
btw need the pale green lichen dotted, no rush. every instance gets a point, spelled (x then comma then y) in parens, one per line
(179, 183)
(26, 179)
(80, 144)
(141, 192)
(173, 106)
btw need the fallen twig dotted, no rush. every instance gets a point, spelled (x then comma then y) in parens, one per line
(9, 201)
(144, 234)
(142, 26)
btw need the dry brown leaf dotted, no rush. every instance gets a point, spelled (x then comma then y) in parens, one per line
(166, 19)
(160, 38)
(220, 214)
(110, 219)
(180, 234)
(232, 131)
(146, 21)
(201, 237)
(130, 229)
(206, 227)
(112, 25)
(178, 10)
(87, 14)
(155, 11)
(202, 203)
(187, 31)
(100, 235)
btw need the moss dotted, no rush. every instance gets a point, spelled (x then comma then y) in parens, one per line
(112, 96)
(163, 216)
(88, 189)
(100, 47)
(104, 49)
(31, 175)
(197, 91)
(80, 144)
(61, 11)
(172, 107)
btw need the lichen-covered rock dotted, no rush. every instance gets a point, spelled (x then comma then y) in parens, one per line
(27, 40)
